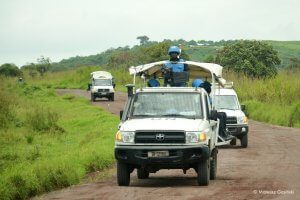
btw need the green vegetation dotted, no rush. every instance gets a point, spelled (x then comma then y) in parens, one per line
(77, 78)
(253, 58)
(48, 141)
(196, 50)
(287, 50)
(275, 100)
(8, 69)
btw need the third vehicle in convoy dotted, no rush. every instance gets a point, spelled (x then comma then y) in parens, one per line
(102, 85)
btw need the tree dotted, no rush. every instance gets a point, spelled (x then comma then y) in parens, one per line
(143, 39)
(43, 65)
(253, 58)
(9, 69)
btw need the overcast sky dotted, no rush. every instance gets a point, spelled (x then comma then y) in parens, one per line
(63, 28)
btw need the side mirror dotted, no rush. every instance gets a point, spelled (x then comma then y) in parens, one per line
(121, 114)
(89, 87)
(114, 85)
(243, 107)
(213, 115)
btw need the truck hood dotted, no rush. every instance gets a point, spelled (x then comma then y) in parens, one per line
(233, 113)
(167, 124)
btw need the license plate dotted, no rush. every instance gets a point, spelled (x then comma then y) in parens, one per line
(103, 93)
(155, 154)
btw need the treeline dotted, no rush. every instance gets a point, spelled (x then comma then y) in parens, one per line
(201, 50)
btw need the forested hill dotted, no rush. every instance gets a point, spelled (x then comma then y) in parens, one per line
(152, 51)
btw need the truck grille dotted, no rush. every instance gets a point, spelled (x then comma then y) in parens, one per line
(160, 137)
(231, 120)
(103, 90)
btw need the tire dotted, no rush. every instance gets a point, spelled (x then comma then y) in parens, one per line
(203, 173)
(93, 98)
(213, 165)
(233, 141)
(142, 174)
(112, 97)
(244, 141)
(123, 174)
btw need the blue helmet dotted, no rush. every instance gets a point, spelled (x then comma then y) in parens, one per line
(197, 83)
(153, 83)
(174, 49)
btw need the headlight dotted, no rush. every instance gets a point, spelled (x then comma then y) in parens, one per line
(126, 137)
(194, 137)
(191, 137)
(242, 120)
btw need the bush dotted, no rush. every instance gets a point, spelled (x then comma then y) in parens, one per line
(10, 70)
(44, 120)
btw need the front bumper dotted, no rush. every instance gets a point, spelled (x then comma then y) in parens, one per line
(238, 129)
(179, 156)
(102, 94)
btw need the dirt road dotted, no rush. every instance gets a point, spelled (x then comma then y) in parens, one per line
(268, 169)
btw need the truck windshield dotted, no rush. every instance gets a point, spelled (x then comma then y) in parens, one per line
(102, 82)
(226, 102)
(184, 105)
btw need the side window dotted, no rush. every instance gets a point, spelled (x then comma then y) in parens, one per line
(207, 108)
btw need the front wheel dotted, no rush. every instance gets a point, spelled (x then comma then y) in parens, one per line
(123, 174)
(244, 141)
(213, 165)
(93, 98)
(112, 97)
(203, 173)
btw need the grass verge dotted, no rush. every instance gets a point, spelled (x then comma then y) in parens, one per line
(52, 142)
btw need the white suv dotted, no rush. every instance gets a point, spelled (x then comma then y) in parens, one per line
(237, 122)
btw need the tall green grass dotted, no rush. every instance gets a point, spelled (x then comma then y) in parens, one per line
(275, 100)
(52, 142)
(78, 78)
(6, 106)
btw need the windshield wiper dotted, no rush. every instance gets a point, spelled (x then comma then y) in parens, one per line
(173, 115)
(179, 115)
(142, 115)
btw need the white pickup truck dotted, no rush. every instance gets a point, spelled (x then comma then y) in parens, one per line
(168, 127)
(102, 85)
